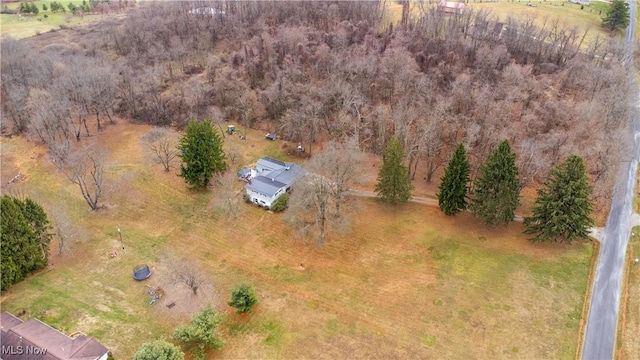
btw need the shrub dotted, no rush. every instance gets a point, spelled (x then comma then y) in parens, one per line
(159, 350)
(202, 335)
(281, 203)
(243, 297)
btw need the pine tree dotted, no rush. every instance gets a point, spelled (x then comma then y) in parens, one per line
(243, 297)
(202, 335)
(37, 220)
(496, 192)
(202, 154)
(394, 183)
(159, 350)
(617, 17)
(452, 195)
(24, 239)
(562, 210)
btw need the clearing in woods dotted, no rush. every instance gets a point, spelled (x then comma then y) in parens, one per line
(406, 282)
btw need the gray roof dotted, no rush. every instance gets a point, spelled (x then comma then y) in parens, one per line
(270, 164)
(39, 335)
(244, 172)
(287, 175)
(264, 185)
(276, 174)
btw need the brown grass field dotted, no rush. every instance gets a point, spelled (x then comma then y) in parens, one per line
(629, 320)
(406, 282)
(587, 19)
(629, 328)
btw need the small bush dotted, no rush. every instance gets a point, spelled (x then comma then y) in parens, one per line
(281, 203)
(243, 297)
(246, 198)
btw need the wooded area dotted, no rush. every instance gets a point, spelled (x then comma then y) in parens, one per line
(318, 71)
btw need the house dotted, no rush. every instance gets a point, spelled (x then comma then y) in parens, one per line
(35, 340)
(270, 180)
(270, 136)
(451, 7)
(207, 11)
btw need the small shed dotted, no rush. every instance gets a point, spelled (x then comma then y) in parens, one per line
(244, 174)
(270, 136)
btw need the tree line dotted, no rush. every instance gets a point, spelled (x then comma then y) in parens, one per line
(561, 212)
(314, 71)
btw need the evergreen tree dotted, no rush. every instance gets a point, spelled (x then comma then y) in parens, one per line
(243, 297)
(24, 239)
(617, 16)
(56, 6)
(496, 192)
(33, 9)
(562, 210)
(452, 195)
(159, 350)
(202, 154)
(201, 335)
(37, 220)
(394, 183)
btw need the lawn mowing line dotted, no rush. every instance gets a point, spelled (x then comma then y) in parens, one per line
(376, 326)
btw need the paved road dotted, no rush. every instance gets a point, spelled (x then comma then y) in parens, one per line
(600, 336)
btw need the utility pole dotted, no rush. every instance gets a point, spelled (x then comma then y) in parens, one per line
(120, 233)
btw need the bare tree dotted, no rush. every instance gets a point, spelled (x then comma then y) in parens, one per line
(68, 233)
(310, 205)
(162, 146)
(49, 118)
(85, 168)
(229, 193)
(188, 272)
(234, 154)
(316, 201)
(530, 162)
(431, 132)
(338, 162)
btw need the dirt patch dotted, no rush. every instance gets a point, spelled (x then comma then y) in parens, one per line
(179, 301)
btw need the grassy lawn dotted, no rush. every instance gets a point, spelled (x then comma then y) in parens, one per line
(405, 282)
(629, 323)
(587, 18)
(569, 15)
(30, 25)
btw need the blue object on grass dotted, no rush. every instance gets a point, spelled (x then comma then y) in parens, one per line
(141, 272)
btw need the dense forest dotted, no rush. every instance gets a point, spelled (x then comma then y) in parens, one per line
(315, 71)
